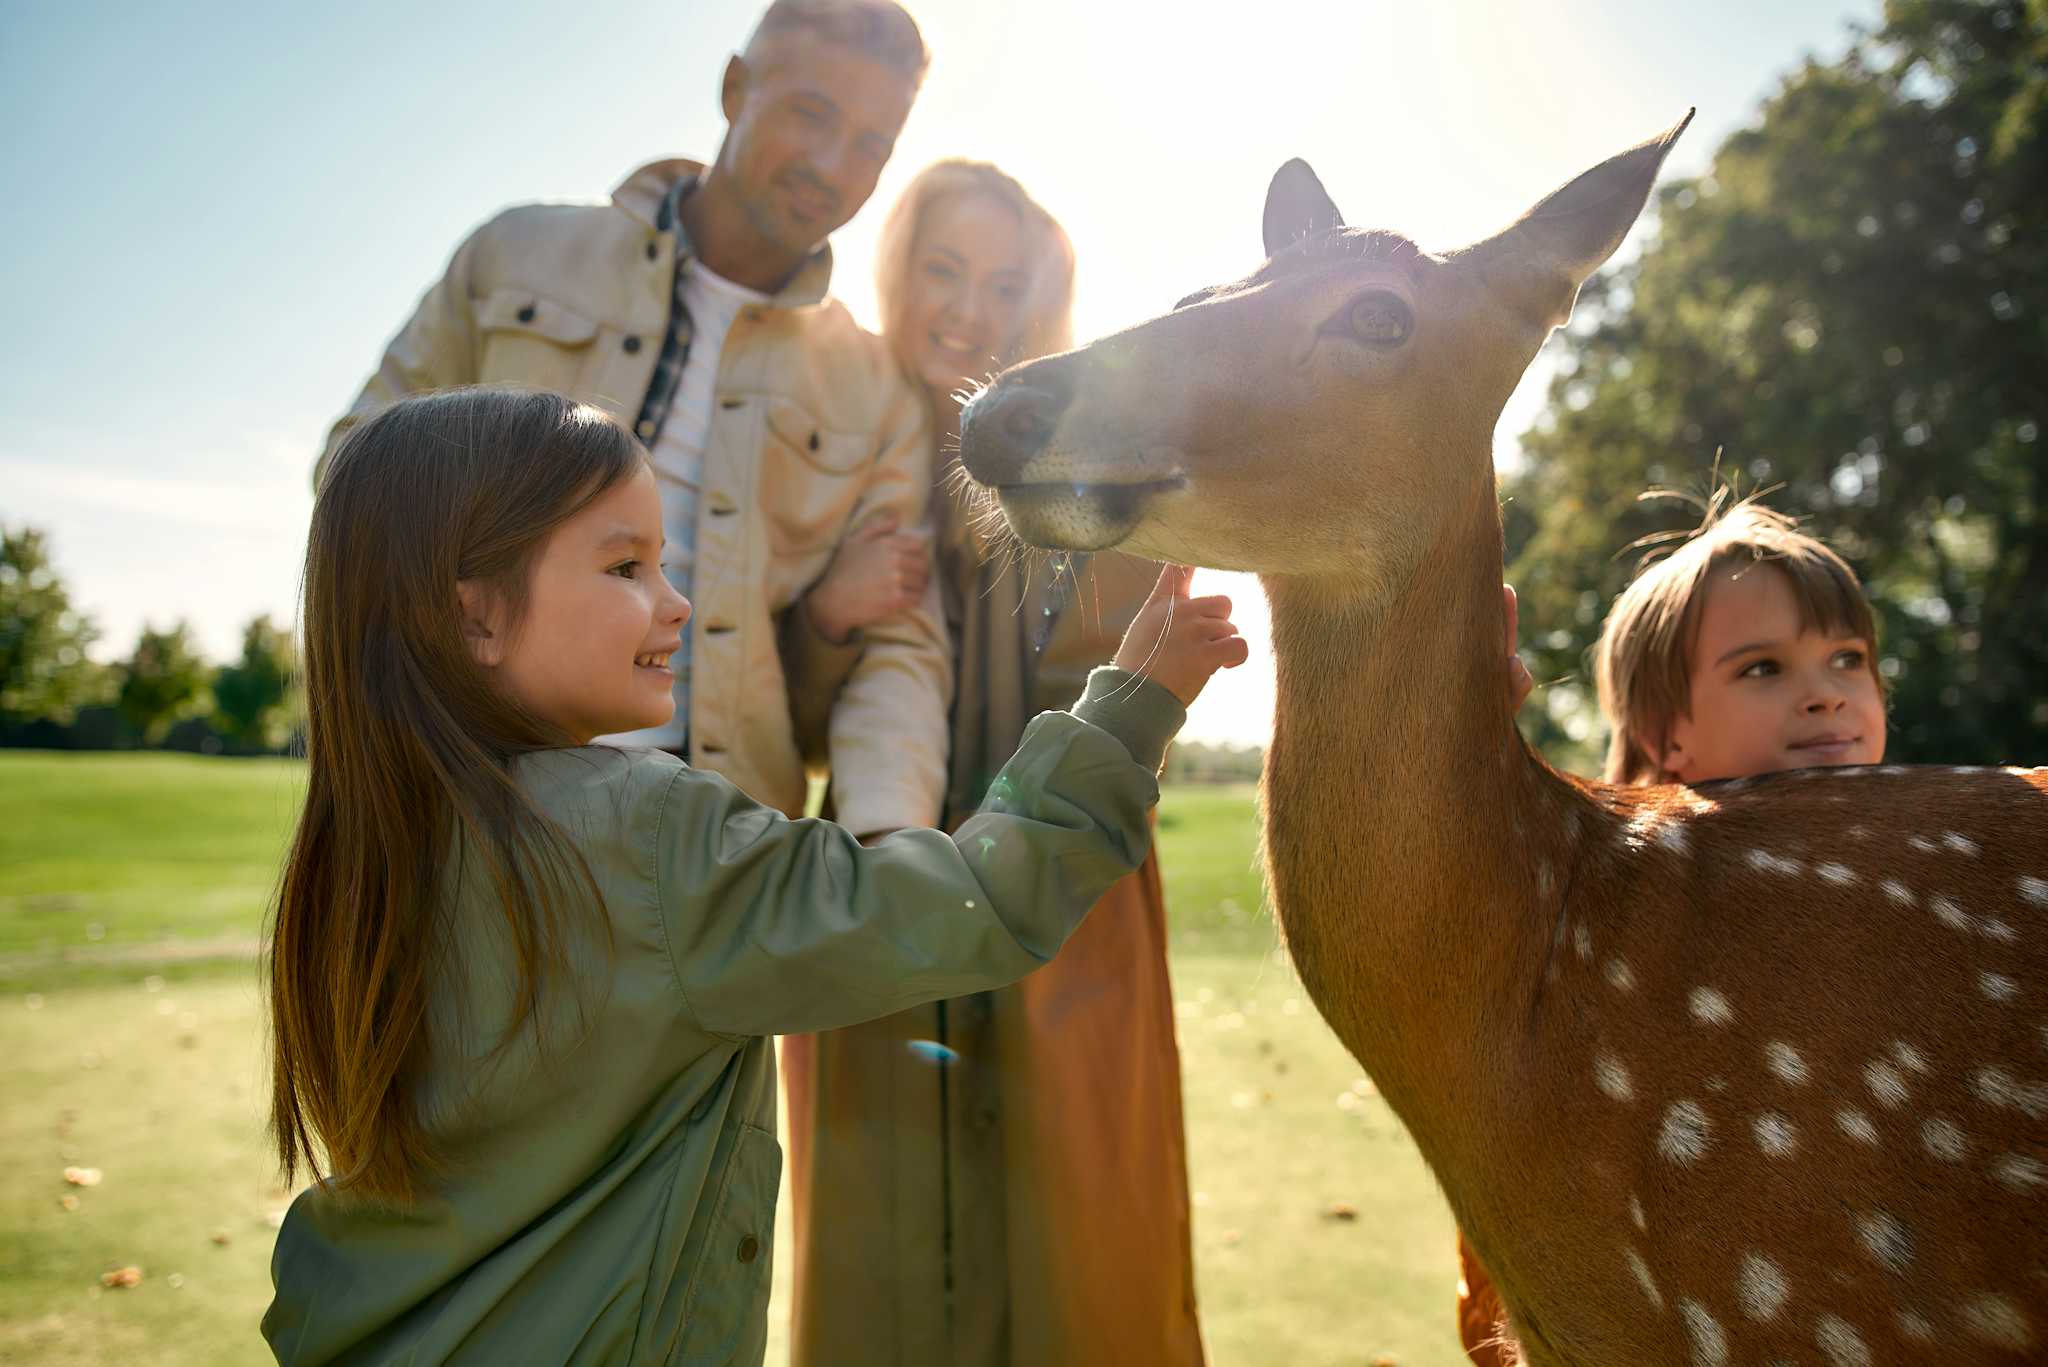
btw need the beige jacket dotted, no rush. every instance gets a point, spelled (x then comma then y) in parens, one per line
(815, 431)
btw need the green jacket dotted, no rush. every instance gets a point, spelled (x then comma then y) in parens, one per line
(611, 1191)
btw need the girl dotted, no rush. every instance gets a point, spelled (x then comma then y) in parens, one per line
(521, 986)
(1037, 1205)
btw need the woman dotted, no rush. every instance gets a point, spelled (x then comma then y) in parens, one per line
(998, 1179)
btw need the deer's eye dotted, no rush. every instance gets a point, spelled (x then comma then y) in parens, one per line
(1380, 319)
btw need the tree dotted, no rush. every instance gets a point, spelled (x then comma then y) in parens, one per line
(251, 697)
(1853, 303)
(164, 682)
(44, 671)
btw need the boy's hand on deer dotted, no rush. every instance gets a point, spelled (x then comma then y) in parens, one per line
(1177, 641)
(876, 573)
(1519, 679)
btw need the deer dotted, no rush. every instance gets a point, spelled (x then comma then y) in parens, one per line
(1754, 1071)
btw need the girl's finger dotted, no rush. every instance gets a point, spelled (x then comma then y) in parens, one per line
(1215, 605)
(1173, 582)
(880, 525)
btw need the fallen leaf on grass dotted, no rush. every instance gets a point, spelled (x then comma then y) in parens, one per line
(68, 1201)
(82, 1177)
(221, 1237)
(1340, 1210)
(121, 1277)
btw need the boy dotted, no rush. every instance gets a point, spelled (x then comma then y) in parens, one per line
(1748, 650)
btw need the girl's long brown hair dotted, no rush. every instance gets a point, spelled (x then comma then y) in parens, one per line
(409, 748)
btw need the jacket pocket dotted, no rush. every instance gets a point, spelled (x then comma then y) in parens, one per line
(810, 477)
(725, 1315)
(527, 339)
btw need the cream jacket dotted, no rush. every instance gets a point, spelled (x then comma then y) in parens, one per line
(814, 432)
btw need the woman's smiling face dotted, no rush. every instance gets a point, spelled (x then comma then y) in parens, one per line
(963, 307)
(1768, 695)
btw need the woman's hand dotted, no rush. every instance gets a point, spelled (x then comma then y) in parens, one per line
(876, 573)
(1178, 641)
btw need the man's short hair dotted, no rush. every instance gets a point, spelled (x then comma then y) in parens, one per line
(878, 29)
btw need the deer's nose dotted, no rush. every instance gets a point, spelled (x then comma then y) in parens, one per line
(1008, 424)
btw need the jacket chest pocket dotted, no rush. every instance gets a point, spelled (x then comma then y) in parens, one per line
(528, 340)
(809, 479)
(726, 1316)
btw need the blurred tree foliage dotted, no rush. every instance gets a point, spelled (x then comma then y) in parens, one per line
(1853, 302)
(253, 696)
(44, 671)
(163, 682)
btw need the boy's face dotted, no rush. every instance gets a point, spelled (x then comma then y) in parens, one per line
(812, 124)
(1767, 696)
(591, 655)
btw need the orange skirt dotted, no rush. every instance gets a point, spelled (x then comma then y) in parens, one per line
(1024, 1202)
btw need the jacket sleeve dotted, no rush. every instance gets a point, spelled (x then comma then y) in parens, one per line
(777, 926)
(435, 349)
(814, 670)
(889, 726)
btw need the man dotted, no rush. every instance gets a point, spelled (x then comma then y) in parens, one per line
(693, 306)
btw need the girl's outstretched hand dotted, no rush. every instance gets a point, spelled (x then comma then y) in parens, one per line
(1178, 641)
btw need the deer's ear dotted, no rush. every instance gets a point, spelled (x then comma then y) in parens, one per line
(1297, 206)
(1541, 261)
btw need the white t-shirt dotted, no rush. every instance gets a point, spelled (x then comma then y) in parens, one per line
(678, 456)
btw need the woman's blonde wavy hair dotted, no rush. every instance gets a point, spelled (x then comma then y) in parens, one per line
(1048, 313)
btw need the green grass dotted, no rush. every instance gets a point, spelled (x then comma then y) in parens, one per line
(139, 1051)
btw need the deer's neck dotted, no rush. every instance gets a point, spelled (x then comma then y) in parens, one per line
(1403, 813)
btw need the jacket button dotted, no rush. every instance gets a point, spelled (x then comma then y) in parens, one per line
(632, 344)
(750, 1248)
(653, 250)
(525, 315)
(646, 429)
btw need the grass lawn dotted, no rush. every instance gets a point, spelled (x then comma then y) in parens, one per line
(138, 1050)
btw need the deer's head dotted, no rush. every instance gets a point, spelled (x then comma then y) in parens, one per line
(1314, 418)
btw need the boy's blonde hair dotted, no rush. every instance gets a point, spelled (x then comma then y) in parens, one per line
(1643, 660)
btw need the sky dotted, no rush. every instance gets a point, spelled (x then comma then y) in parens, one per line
(217, 215)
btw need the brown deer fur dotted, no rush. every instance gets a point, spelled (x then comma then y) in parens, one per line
(1752, 1072)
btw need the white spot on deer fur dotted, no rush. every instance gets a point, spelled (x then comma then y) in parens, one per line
(1857, 1126)
(1997, 986)
(1841, 875)
(1907, 1057)
(1709, 1340)
(1858, 832)
(1621, 975)
(1582, 942)
(1885, 1083)
(1922, 844)
(1612, 1078)
(1915, 1326)
(1948, 913)
(1995, 929)
(2000, 1088)
(1962, 844)
(1892, 770)
(1710, 1007)
(1997, 1321)
(1889, 1243)
(2034, 889)
(1944, 1139)
(1643, 1277)
(1635, 1213)
(1675, 839)
(1897, 891)
(1763, 861)
(1784, 1062)
(1776, 1135)
(1686, 1133)
(1716, 1083)
(1760, 1287)
(1840, 1341)
(2019, 1172)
